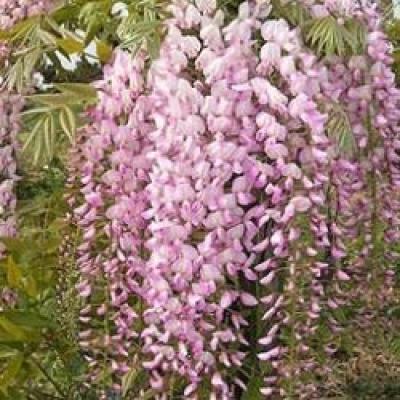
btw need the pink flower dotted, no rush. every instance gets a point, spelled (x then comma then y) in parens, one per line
(206, 6)
(342, 276)
(269, 355)
(301, 203)
(268, 94)
(248, 299)
(271, 53)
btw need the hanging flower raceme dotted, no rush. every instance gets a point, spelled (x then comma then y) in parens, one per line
(384, 134)
(360, 173)
(238, 171)
(10, 108)
(369, 100)
(195, 221)
(109, 165)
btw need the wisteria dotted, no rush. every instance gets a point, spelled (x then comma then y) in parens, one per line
(114, 171)
(238, 174)
(204, 203)
(10, 108)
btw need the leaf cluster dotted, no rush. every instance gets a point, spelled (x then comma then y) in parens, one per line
(50, 114)
(328, 35)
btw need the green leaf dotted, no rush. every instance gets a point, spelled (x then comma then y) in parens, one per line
(142, 27)
(19, 30)
(15, 76)
(30, 286)
(153, 46)
(28, 319)
(32, 135)
(56, 99)
(340, 131)
(70, 45)
(328, 37)
(7, 352)
(16, 332)
(294, 12)
(10, 373)
(14, 274)
(15, 245)
(68, 122)
(37, 149)
(103, 51)
(83, 91)
(253, 388)
(48, 132)
(128, 380)
(30, 61)
(65, 13)
(38, 110)
(46, 37)
(357, 36)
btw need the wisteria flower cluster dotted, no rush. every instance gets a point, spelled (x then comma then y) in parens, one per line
(10, 108)
(112, 211)
(219, 212)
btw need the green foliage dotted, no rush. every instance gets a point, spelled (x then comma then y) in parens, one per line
(40, 40)
(370, 370)
(294, 12)
(254, 386)
(52, 114)
(143, 25)
(132, 382)
(37, 359)
(52, 117)
(327, 37)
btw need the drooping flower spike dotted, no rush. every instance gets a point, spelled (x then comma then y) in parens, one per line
(212, 183)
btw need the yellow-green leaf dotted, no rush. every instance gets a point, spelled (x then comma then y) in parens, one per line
(30, 286)
(7, 352)
(56, 99)
(32, 135)
(47, 136)
(47, 38)
(16, 332)
(14, 274)
(68, 122)
(104, 51)
(70, 45)
(29, 320)
(30, 62)
(11, 371)
(128, 380)
(83, 91)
